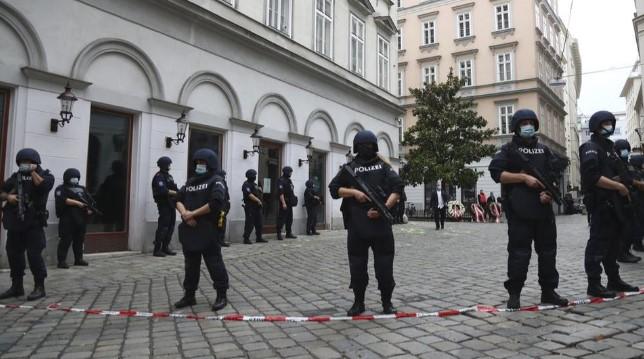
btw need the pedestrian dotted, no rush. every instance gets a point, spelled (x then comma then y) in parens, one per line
(482, 198)
(252, 194)
(312, 203)
(528, 209)
(199, 202)
(287, 200)
(631, 225)
(222, 220)
(401, 207)
(24, 217)
(603, 197)
(438, 203)
(73, 208)
(366, 226)
(164, 192)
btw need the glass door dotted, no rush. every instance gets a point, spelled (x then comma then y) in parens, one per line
(270, 170)
(317, 174)
(108, 178)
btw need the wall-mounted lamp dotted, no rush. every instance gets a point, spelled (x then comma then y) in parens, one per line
(309, 154)
(349, 156)
(67, 100)
(182, 126)
(256, 140)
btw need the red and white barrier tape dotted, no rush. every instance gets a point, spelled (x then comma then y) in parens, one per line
(322, 318)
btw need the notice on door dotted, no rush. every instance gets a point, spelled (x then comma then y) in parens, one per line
(267, 185)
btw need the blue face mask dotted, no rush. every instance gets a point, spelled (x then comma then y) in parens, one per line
(201, 169)
(607, 131)
(527, 131)
(624, 153)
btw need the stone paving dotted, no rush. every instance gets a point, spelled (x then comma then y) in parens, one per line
(463, 265)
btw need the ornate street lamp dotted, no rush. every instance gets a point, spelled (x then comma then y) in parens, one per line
(182, 126)
(67, 100)
(309, 154)
(256, 140)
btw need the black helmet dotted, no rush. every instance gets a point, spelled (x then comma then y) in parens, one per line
(364, 136)
(287, 170)
(309, 184)
(164, 162)
(598, 118)
(524, 114)
(622, 145)
(637, 161)
(70, 173)
(208, 155)
(28, 154)
(251, 173)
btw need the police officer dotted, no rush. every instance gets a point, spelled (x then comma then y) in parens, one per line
(73, 204)
(632, 227)
(637, 161)
(528, 209)
(366, 227)
(312, 203)
(223, 215)
(251, 193)
(287, 200)
(604, 197)
(164, 191)
(25, 216)
(199, 202)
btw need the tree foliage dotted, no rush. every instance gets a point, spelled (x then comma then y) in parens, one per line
(448, 135)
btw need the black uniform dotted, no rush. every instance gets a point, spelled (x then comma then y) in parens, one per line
(162, 183)
(637, 161)
(26, 234)
(312, 205)
(363, 232)
(72, 219)
(597, 159)
(632, 226)
(222, 220)
(252, 210)
(285, 216)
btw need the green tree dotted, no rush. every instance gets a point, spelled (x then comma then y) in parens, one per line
(448, 135)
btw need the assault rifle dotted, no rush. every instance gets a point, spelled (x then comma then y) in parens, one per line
(623, 207)
(21, 197)
(551, 185)
(88, 202)
(375, 194)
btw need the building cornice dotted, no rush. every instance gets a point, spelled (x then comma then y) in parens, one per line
(504, 45)
(36, 74)
(463, 6)
(465, 53)
(429, 59)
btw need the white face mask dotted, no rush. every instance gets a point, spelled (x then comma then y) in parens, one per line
(201, 169)
(74, 181)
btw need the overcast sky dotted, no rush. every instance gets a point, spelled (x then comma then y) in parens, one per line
(606, 38)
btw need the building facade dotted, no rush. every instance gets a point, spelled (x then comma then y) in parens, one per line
(632, 94)
(572, 90)
(508, 51)
(303, 75)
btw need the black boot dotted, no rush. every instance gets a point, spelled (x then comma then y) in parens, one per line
(63, 265)
(596, 289)
(39, 290)
(81, 262)
(628, 257)
(290, 235)
(166, 249)
(549, 296)
(279, 236)
(315, 233)
(261, 240)
(16, 290)
(157, 250)
(224, 244)
(221, 300)
(187, 300)
(514, 301)
(618, 285)
(387, 307)
(247, 241)
(358, 302)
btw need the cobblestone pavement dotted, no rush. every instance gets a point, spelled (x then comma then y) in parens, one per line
(463, 265)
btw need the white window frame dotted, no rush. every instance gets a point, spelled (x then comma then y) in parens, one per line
(428, 32)
(279, 26)
(429, 74)
(360, 61)
(504, 13)
(330, 19)
(465, 22)
(502, 111)
(471, 79)
(401, 39)
(401, 83)
(383, 63)
(504, 66)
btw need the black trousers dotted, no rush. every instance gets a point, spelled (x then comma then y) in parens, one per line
(253, 219)
(165, 224)
(521, 233)
(604, 243)
(33, 242)
(439, 216)
(285, 218)
(221, 232)
(214, 263)
(311, 218)
(383, 256)
(70, 234)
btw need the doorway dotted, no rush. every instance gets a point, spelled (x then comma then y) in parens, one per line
(201, 138)
(317, 174)
(108, 179)
(270, 170)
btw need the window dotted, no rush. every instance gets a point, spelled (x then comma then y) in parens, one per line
(502, 16)
(278, 15)
(383, 63)
(504, 67)
(430, 74)
(401, 45)
(324, 27)
(401, 83)
(537, 16)
(356, 50)
(399, 3)
(429, 32)
(466, 71)
(464, 24)
(505, 113)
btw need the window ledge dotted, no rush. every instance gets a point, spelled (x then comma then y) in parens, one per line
(508, 31)
(429, 46)
(464, 39)
(402, 52)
